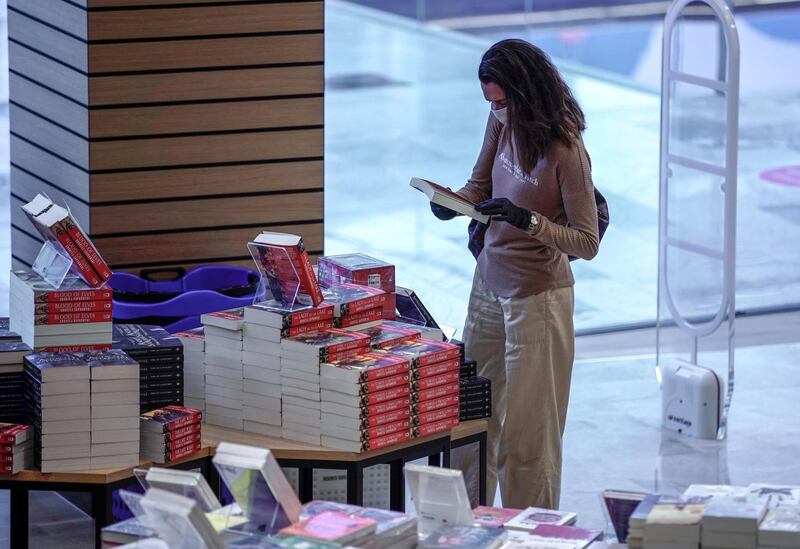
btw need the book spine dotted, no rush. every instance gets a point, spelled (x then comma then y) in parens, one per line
(439, 356)
(438, 369)
(87, 248)
(436, 427)
(72, 307)
(307, 276)
(387, 429)
(385, 407)
(389, 440)
(383, 384)
(400, 338)
(71, 318)
(7, 458)
(374, 277)
(361, 317)
(437, 415)
(305, 317)
(435, 381)
(437, 392)
(307, 328)
(390, 394)
(75, 348)
(6, 448)
(435, 403)
(374, 374)
(364, 304)
(60, 296)
(80, 261)
(389, 417)
(339, 349)
(179, 453)
(179, 422)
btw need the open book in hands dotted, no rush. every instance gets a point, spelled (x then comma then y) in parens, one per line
(447, 198)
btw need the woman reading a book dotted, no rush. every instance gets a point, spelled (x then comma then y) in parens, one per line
(533, 177)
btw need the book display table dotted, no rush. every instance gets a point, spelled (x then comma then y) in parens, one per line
(100, 483)
(307, 457)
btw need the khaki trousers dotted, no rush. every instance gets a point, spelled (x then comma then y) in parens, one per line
(526, 346)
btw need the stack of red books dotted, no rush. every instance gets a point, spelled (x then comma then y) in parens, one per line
(170, 433)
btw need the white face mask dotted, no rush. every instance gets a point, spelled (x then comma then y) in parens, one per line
(501, 115)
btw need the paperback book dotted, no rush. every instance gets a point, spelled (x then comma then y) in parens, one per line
(357, 269)
(284, 264)
(349, 299)
(424, 352)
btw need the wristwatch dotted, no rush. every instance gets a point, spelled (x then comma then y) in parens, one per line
(533, 226)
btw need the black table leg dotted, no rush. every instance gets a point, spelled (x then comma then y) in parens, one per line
(397, 486)
(212, 475)
(102, 510)
(446, 456)
(18, 517)
(306, 484)
(482, 469)
(435, 460)
(355, 484)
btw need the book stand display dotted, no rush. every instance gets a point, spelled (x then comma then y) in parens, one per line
(280, 280)
(53, 264)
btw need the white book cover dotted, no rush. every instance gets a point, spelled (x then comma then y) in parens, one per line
(260, 360)
(65, 465)
(345, 410)
(300, 393)
(262, 416)
(230, 378)
(439, 496)
(780, 527)
(118, 410)
(311, 377)
(114, 423)
(714, 490)
(116, 386)
(222, 421)
(734, 514)
(214, 334)
(263, 429)
(532, 516)
(227, 392)
(304, 365)
(222, 346)
(776, 494)
(109, 399)
(261, 402)
(300, 384)
(262, 388)
(217, 410)
(63, 388)
(65, 400)
(65, 413)
(119, 435)
(261, 374)
(261, 347)
(272, 335)
(216, 402)
(83, 438)
(297, 411)
(230, 359)
(447, 198)
(66, 452)
(334, 420)
(115, 449)
(304, 420)
(62, 427)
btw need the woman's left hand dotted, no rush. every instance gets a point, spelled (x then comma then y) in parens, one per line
(502, 209)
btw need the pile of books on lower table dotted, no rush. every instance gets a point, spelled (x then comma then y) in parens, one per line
(16, 447)
(759, 516)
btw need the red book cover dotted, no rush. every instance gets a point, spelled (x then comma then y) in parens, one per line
(169, 418)
(281, 270)
(300, 329)
(404, 412)
(172, 455)
(87, 248)
(72, 307)
(354, 319)
(358, 269)
(176, 444)
(493, 517)
(435, 381)
(390, 307)
(388, 440)
(425, 352)
(390, 394)
(437, 415)
(6, 448)
(181, 432)
(437, 392)
(330, 526)
(436, 427)
(349, 299)
(80, 262)
(14, 433)
(386, 429)
(384, 384)
(438, 369)
(385, 336)
(372, 366)
(385, 407)
(72, 318)
(304, 316)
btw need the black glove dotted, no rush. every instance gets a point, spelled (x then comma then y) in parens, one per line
(502, 209)
(445, 214)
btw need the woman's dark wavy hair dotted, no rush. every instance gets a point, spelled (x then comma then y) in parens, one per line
(541, 107)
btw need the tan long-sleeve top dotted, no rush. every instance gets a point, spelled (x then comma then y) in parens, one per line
(559, 190)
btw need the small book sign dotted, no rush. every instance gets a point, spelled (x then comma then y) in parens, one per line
(447, 198)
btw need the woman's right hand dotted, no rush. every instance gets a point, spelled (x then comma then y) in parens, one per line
(445, 214)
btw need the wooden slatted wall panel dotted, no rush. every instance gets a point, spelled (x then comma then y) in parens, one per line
(174, 129)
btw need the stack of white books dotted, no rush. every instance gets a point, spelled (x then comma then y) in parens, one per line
(224, 369)
(780, 528)
(266, 324)
(115, 409)
(732, 522)
(58, 400)
(300, 377)
(179, 521)
(194, 368)
(45, 317)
